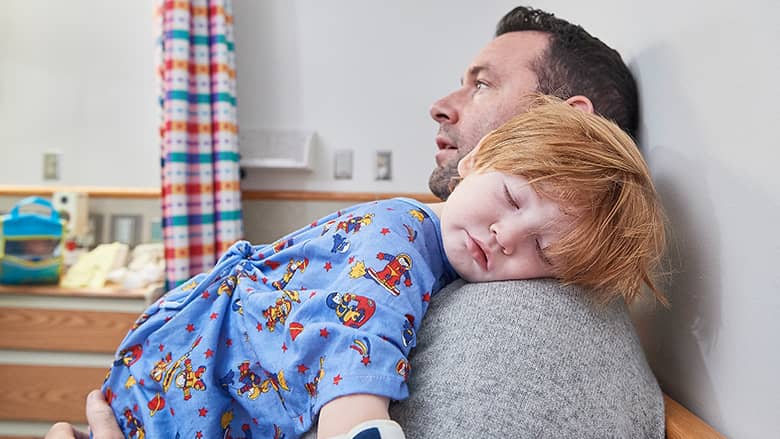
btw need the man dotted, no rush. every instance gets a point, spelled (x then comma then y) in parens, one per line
(528, 358)
(521, 358)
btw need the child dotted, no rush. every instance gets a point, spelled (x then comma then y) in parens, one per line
(320, 323)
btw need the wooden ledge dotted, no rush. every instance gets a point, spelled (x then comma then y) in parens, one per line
(682, 424)
(249, 194)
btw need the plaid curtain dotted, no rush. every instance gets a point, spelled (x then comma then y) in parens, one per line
(201, 197)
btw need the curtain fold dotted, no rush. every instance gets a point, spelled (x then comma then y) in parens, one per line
(201, 197)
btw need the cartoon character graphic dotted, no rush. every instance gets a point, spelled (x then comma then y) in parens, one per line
(238, 306)
(390, 276)
(140, 321)
(254, 385)
(163, 371)
(362, 347)
(418, 214)
(340, 244)
(350, 225)
(128, 356)
(408, 334)
(226, 381)
(411, 234)
(277, 313)
(188, 380)
(227, 430)
(352, 310)
(135, 428)
(311, 387)
(403, 368)
(292, 267)
(281, 245)
(227, 286)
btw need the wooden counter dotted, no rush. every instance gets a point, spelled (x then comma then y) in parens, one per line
(56, 345)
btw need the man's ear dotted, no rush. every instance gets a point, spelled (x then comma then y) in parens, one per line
(581, 102)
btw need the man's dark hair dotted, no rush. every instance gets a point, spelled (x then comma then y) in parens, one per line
(577, 63)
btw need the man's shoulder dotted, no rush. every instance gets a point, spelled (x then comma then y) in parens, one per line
(537, 358)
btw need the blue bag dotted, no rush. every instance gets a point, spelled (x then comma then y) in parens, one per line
(31, 244)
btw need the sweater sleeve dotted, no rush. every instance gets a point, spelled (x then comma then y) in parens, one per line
(528, 359)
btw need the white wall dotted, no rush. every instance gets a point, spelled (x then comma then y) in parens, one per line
(363, 73)
(77, 77)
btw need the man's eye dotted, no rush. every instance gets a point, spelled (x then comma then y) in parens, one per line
(479, 85)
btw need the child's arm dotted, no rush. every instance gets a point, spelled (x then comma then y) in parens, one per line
(346, 416)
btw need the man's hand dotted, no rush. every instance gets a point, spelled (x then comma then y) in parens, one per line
(101, 422)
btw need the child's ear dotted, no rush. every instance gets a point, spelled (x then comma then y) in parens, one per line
(466, 164)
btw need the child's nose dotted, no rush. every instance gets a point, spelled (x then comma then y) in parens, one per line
(501, 238)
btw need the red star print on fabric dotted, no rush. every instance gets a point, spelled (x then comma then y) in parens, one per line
(328, 266)
(254, 420)
(259, 326)
(205, 295)
(199, 435)
(202, 412)
(141, 382)
(284, 347)
(426, 297)
(135, 408)
(173, 413)
(229, 342)
(209, 353)
(351, 259)
(314, 224)
(161, 347)
(168, 319)
(213, 316)
(190, 327)
(265, 280)
(324, 332)
(366, 361)
(385, 231)
(312, 294)
(302, 368)
(337, 379)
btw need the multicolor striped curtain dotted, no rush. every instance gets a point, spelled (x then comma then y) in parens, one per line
(201, 198)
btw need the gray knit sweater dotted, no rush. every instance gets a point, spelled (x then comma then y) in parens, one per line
(528, 359)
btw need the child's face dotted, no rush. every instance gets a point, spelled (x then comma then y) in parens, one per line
(496, 227)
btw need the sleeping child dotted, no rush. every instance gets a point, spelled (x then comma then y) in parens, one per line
(317, 327)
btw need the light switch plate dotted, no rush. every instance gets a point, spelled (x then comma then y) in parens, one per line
(342, 164)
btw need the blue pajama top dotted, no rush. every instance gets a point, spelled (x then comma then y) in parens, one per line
(255, 347)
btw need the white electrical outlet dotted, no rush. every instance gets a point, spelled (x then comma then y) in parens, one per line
(51, 166)
(384, 169)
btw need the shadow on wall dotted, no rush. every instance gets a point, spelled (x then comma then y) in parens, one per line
(677, 340)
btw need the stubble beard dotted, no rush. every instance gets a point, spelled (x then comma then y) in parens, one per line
(444, 178)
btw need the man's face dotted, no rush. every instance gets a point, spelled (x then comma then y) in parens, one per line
(494, 88)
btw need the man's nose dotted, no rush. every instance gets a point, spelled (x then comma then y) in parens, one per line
(445, 110)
